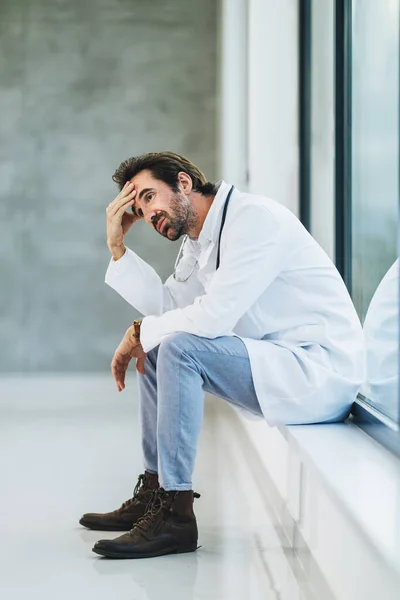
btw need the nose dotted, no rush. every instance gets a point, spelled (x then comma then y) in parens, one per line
(149, 216)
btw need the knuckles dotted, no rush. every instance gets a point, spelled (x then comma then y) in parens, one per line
(118, 198)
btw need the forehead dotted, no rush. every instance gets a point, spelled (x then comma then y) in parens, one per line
(145, 179)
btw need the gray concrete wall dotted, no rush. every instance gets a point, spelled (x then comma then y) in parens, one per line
(84, 85)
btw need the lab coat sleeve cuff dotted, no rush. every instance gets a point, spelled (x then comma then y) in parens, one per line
(155, 329)
(118, 266)
(150, 334)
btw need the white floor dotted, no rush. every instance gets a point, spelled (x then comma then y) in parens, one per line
(71, 445)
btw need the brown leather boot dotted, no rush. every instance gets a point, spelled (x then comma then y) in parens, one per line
(126, 516)
(169, 526)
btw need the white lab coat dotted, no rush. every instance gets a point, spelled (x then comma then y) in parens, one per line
(276, 289)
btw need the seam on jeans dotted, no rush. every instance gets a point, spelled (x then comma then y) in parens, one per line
(223, 353)
(182, 352)
(179, 408)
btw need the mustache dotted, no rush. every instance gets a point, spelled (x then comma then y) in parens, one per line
(158, 218)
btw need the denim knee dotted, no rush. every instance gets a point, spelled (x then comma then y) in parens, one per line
(177, 343)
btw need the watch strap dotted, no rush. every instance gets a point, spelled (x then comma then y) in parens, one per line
(136, 325)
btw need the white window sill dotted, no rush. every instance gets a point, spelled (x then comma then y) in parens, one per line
(360, 475)
(336, 495)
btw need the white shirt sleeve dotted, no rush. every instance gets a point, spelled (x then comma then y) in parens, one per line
(138, 283)
(252, 255)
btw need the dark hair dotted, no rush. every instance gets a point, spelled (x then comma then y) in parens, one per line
(164, 166)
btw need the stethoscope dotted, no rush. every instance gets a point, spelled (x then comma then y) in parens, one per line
(180, 253)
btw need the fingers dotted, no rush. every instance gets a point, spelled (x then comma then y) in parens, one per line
(140, 365)
(120, 205)
(119, 368)
(124, 199)
(115, 373)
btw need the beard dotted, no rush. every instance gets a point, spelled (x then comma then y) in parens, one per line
(180, 219)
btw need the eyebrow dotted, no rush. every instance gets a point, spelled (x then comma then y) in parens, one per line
(145, 191)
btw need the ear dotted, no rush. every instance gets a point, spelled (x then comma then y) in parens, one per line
(186, 182)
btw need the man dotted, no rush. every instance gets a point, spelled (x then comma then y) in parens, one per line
(255, 313)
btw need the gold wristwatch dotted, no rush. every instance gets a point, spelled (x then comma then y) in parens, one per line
(136, 325)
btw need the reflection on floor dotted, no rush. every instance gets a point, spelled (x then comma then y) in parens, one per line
(71, 445)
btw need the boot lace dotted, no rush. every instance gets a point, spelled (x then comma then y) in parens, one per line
(136, 491)
(154, 508)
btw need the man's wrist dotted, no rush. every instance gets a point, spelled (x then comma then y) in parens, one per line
(117, 252)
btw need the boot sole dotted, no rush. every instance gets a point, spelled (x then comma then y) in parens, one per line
(110, 554)
(104, 528)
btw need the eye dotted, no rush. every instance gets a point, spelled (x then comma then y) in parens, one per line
(149, 197)
(140, 213)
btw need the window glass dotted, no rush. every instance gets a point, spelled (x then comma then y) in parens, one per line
(375, 194)
(322, 124)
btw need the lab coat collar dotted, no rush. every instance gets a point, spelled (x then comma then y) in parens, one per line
(209, 231)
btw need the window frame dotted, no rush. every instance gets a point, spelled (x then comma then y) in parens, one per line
(305, 111)
(380, 427)
(343, 139)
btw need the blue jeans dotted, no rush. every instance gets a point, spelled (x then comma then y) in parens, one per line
(171, 399)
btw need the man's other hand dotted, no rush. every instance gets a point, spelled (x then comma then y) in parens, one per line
(129, 348)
